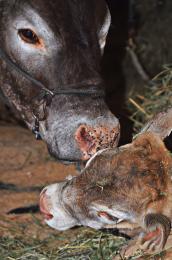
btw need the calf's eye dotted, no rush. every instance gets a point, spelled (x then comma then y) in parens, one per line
(28, 36)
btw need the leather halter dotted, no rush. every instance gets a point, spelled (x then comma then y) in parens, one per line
(46, 95)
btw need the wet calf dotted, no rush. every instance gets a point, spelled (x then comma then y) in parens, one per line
(125, 188)
(50, 55)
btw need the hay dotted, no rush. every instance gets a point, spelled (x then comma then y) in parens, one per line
(155, 97)
(89, 244)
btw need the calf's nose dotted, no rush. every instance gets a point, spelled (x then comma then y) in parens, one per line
(92, 139)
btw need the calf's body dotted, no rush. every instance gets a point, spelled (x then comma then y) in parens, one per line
(125, 188)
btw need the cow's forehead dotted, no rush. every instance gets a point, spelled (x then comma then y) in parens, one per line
(63, 17)
(54, 10)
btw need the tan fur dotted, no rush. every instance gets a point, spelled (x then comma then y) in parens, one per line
(128, 188)
(135, 177)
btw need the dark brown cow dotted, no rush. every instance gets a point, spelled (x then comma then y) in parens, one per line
(50, 55)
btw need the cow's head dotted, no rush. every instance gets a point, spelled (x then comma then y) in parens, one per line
(58, 43)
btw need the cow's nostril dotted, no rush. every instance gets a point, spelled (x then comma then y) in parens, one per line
(86, 137)
(92, 139)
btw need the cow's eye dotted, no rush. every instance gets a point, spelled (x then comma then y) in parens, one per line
(28, 36)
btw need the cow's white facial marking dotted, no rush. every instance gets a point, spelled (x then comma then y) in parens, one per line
(31, 43)
(104, 30)
(29, 35)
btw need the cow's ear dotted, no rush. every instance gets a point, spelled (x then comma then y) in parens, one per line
(102, 34)
(157, 228)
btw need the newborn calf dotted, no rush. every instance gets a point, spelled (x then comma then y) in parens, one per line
(125, 187)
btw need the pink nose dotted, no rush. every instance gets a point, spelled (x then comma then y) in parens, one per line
(90, 140)
(44, 206)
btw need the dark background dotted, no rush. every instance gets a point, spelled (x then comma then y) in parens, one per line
(149, 22)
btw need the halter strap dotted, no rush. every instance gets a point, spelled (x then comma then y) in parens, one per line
(69, 89)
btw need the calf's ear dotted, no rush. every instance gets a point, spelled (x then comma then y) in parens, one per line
(157, 230)
(151, 144)
(161, 124)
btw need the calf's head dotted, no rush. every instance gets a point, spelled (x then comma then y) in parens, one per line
(117, 185)
(126, 187)
(58, 43)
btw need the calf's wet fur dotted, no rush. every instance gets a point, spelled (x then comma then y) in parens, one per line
(125, 188)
